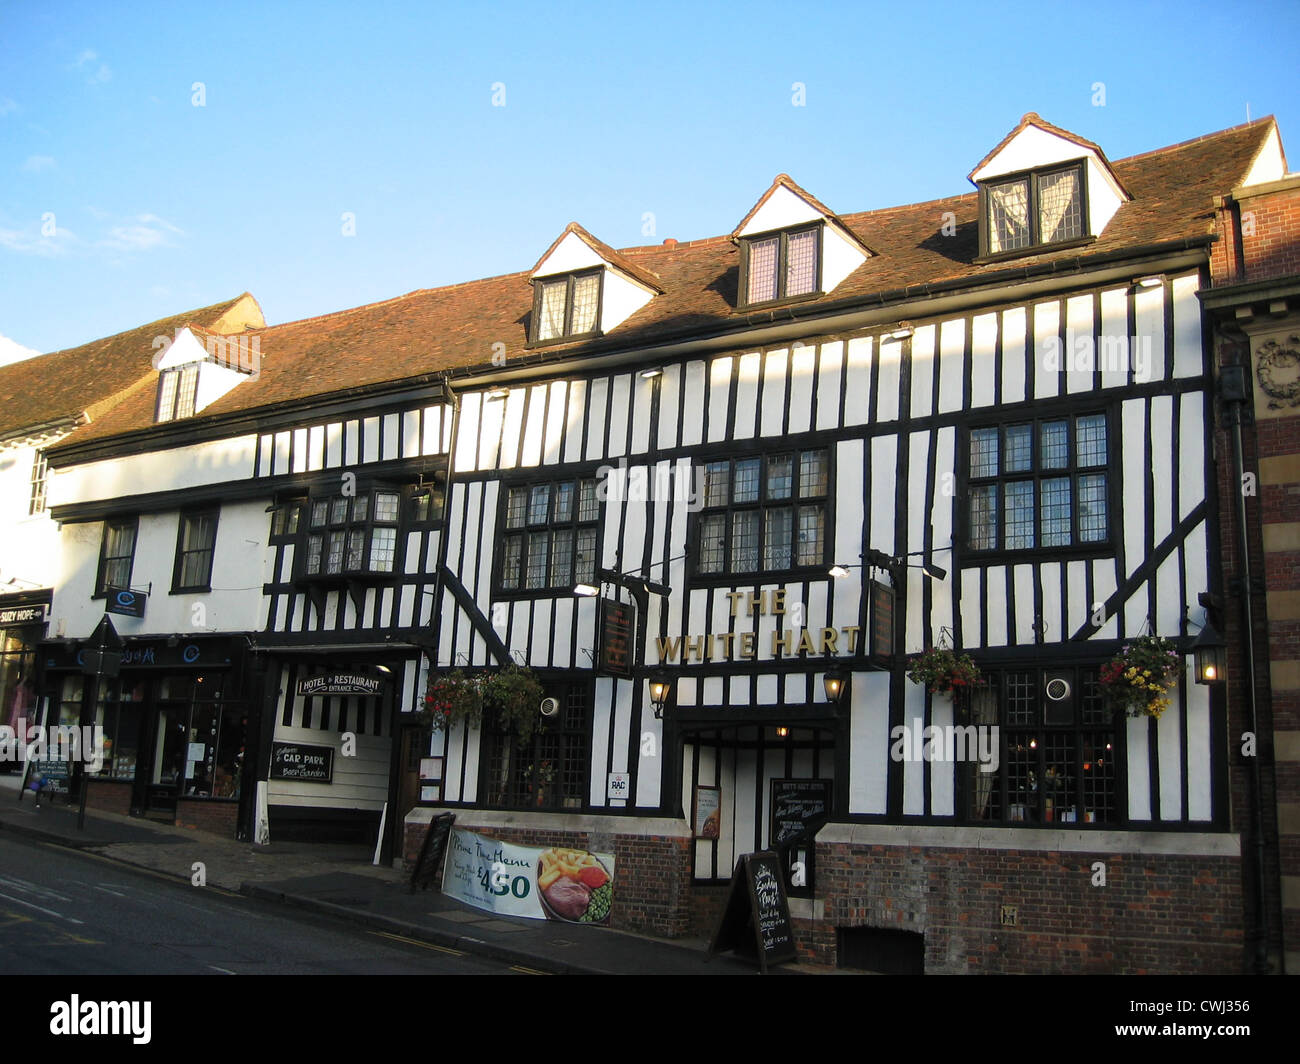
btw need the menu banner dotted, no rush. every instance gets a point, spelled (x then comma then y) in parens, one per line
(555, 883)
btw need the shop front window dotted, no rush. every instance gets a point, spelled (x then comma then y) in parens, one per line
(17, 672)
(1058, 749)
(191, 739)
(548, 772)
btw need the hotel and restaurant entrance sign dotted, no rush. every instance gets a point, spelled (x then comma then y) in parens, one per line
(785, 642)
(341, 683)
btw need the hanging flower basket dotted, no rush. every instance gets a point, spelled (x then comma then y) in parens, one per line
(512, 698)
(1139, 678)
(450, 699)
(944, 671)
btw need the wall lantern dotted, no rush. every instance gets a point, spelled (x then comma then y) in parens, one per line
(834, 681)
(660, 687)
(1210, 655)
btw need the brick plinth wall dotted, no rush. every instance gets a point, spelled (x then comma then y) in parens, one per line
(707, 903)
(1157, 913)
(652, 873)
(218, 816)
(109, 797)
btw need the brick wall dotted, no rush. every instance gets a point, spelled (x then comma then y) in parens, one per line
(1265, 248)
(707, 903)
(219, 817)
(109, 797)
(1269, 225)
(1155, 913)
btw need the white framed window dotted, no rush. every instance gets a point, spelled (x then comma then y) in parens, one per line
(40, 477)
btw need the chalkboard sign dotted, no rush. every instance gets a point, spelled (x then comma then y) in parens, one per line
(298, 761)
(799, 808)
(53, 775)
(431, 851)
(756, 921)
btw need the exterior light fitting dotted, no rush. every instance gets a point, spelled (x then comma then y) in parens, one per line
(586, 590)
(1210, 654)
(660, 687)
(834, 682)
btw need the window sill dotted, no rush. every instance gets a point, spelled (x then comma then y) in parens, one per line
(972, 559)
(515, 594)
(773, 304)
(556, 341)
(1033, 249)
(199, 589)
(762, 576)
(342, 579)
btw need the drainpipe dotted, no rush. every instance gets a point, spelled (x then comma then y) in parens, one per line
(1232, 389)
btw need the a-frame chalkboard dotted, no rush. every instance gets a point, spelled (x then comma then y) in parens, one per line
(434, 846)
(756, 921)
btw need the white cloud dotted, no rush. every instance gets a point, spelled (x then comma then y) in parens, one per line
(13, 351)
(141, 233)
(96, 72)
(31, 241)
(36, 163)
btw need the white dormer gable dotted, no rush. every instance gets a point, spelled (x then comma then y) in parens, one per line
(576, 269)
(197, 368)
(1035, 146)
(786, 208)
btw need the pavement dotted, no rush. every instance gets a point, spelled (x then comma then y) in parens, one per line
(340, 880)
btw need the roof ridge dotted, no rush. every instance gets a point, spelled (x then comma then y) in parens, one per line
(391, 299)
(1197, 140)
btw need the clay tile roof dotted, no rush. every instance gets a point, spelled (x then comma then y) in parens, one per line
(89, 379)
(614, 258)
(453, 330)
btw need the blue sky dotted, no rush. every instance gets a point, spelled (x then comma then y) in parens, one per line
(386, 111)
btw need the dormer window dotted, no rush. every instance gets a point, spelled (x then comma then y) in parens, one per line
(781, 265)
(1044, 207)
(567, 307)
(178, 391)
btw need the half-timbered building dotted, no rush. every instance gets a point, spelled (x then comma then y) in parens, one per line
(783, 460)
(42, 400)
